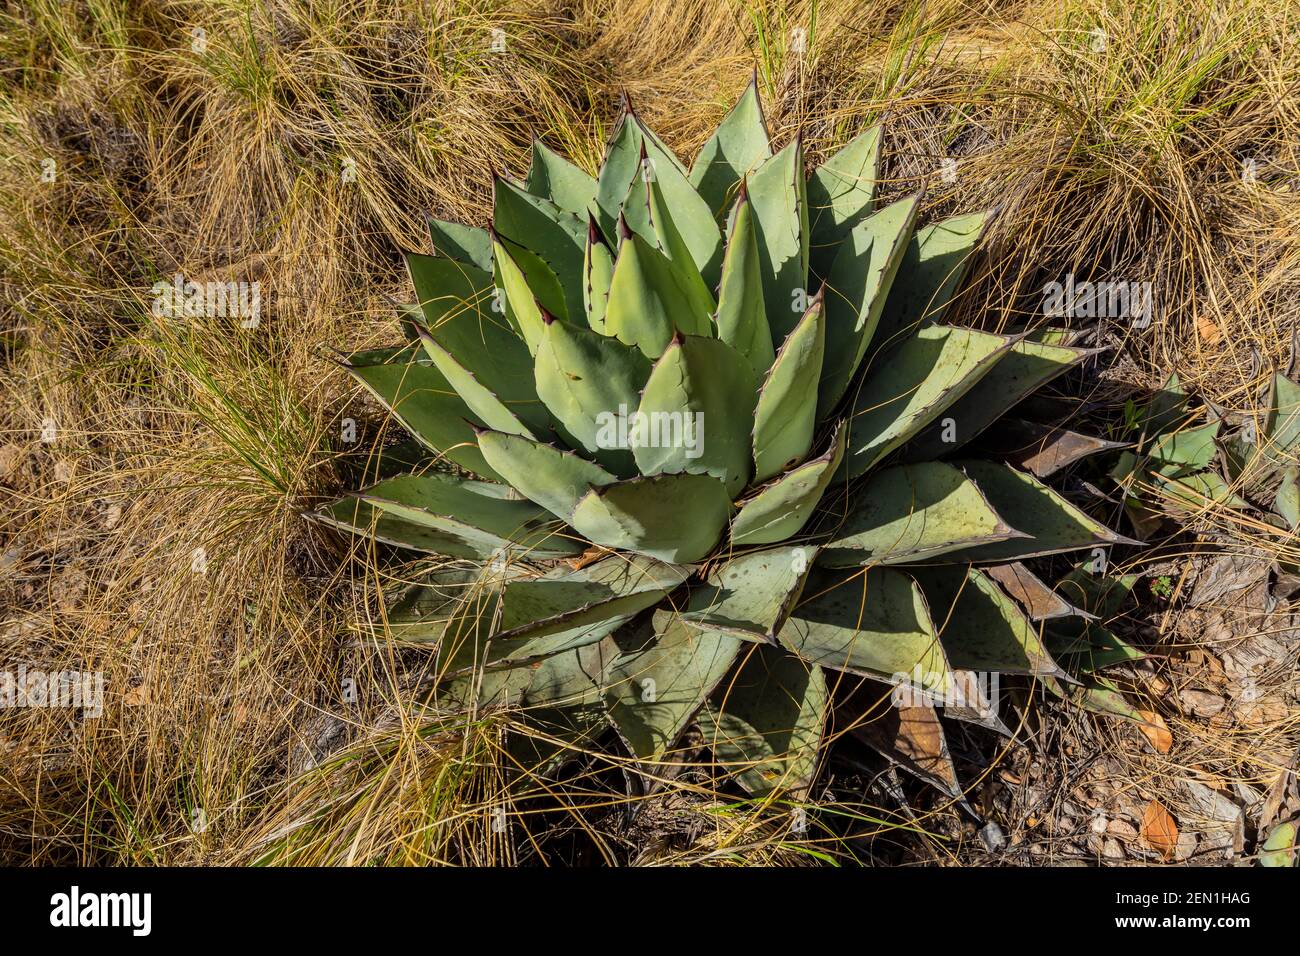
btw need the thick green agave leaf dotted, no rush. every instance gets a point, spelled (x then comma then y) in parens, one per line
(623, 164)
(420, 397)
(571, 681)
(588, 382)
(443, 515)
(912, 385)
(543, 284)
(646, 304)
(694, 278)
(786, 414)
(616, 586)
(411, 319)
(1282, 421)
(840, 195)
(1198, 491)
(981, 628)
(461, 628)
(1096, 694)
(480, 355)
(780, 510)
(439, 590)
(598, 272)
(751, 594)
(1100, 595)
(860, 274)
(696, 412)
(534, 618)
(1192, 449)
(872, 622)
(933, 266)
(1051, 523)
(448, 290)
(622, 159)
(557, 480)
(1086, 646)
(1039, 602)
(1023, 370)
(911, 513)
(1280, 847)
(665, 209)
(558, 238)
(445, 502)
(656, 685)
(453, 604)
(778, 198)
(520, 305)
(764, 725)
(487, 406)
(676, 518)
(500, 653)
(483, 691)
(742, 316)
(393, 460)
(455, 620)
(553, 177)
(467, 244)
(738, 145)
(1287, 502)
(1167, 408)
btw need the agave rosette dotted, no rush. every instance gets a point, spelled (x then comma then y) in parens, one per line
(827, 514)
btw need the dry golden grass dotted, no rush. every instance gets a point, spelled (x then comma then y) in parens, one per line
(212, 139)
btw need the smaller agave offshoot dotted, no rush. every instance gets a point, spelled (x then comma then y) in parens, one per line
(721, 454)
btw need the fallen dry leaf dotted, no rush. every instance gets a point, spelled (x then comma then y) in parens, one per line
(914, 738)
(137, 695)
(1208, 330)
(590, 556)
(1159, 829)
(1200, 703)
(1156, 731)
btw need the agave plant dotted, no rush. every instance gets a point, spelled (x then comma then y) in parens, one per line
(698, 440)
(1184, 465)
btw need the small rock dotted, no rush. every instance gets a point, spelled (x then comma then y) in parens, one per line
(1122, 829)
(992, 837)
(1200, 703)
(1226, 820)
(1111, 850)
(1186, 846)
